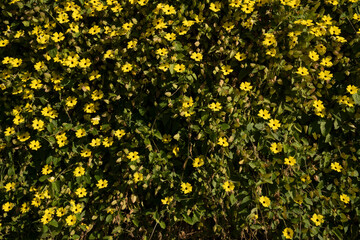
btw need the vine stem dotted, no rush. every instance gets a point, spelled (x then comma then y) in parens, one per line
(152, 233)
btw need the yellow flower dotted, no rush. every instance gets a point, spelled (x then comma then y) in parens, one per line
(198, 161)
(94, 75)
(95, 142)
(166, 138)
(336, 166)
(166, 200)
(265, 201)
(162, 51)
(45, 194)
(25, 208)
(9, 131)
(168, 10)
(186, 188)
(228, 186)
(4, 42)
(325, 75)
(288, 233)
(240, 56)
(271, 52)
(36, 84)
(196, 56)
(313, 56)
(302, 71)
(76, 208)
(274, 124)
(299, 199)
(23, 137)
(46, 218)
(276, 147)
(188, 102)
(61, 139)
(263, 113)
(79, 171)
(215, 7)
(305, 178)
(127, 67)
(326, 62)
(95, 120)
(38, 124)
(80, 133)
(94, 30)
(179, 68)
(34, 145)
(107, 142)
(223, 142)
(60, 212)
(352, 89)
(10, 186)
(127, 26)
(246, 86)
(159, 23)
(58, 37)
(318, 104)
(119, 133)
(215, 106)
(170, 36)
(164, 67)
(81, 192)
(318, 219)
(46, 170)
(344, 198)
(84, 63)
(62, 17)
(131, 44)
(71, 220)
(269, 39)
(50, 210)
(228, 26)
(8, 206)
(85, 153)
(102, 184)
(175, 150)
(334, 30)
(133, 156)
(226, 69)
(138, 177)
(290, 161)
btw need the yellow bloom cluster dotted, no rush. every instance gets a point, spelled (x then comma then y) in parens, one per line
(118, 116)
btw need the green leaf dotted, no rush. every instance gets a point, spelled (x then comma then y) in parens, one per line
(356, 98)
(232, 199)
(171, 68)
(187, 219)
(308, 201)
(26, 23)
(53, 52)
(337, 233)
(43, 178)
(135, 222)
(108, 218)
(55, 187)
(224, 126)
(250, 126)
(246, 199)
(54, 223)
(162, 225)
(325, 127)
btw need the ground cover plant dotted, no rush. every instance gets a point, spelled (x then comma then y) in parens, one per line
(141, 119)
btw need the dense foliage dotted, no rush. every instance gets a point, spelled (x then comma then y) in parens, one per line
(179, 119)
